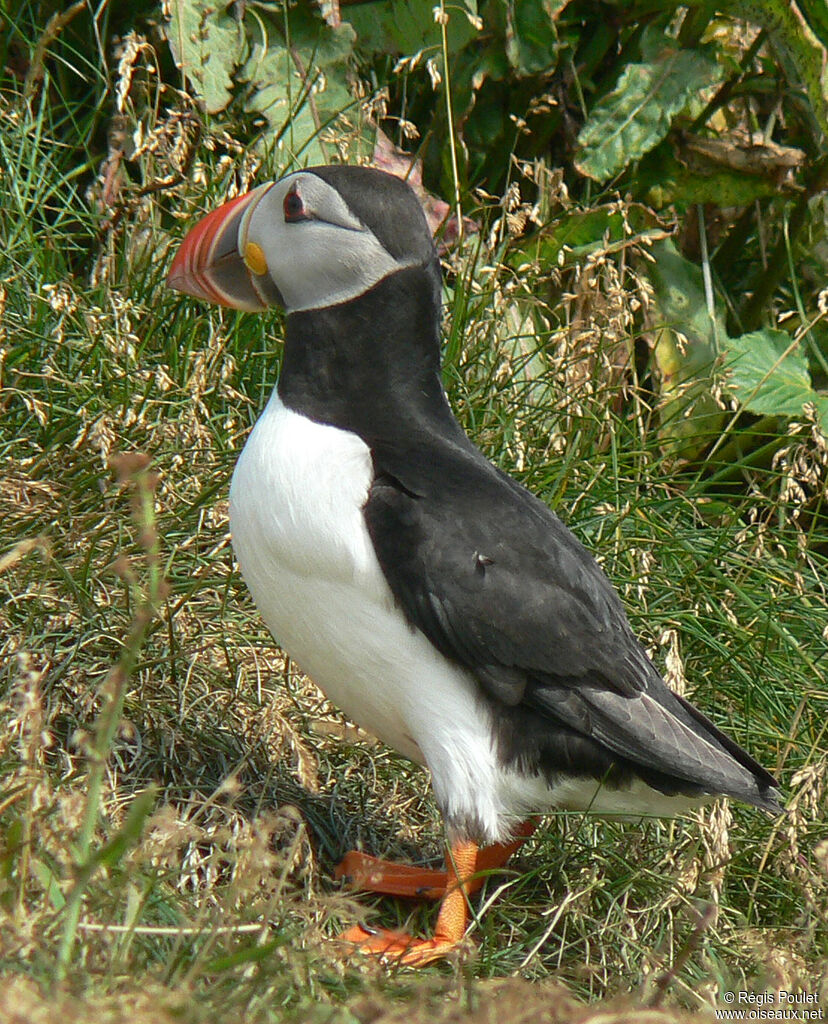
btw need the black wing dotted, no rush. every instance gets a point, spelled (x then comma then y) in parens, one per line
(500, 585)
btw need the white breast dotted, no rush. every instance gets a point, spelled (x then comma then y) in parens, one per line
(300, 538)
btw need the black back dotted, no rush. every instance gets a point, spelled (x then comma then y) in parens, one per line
(488, 573)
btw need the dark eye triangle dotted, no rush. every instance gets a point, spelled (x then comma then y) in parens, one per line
(294, 208)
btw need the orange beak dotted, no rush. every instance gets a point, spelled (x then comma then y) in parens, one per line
(210, 262)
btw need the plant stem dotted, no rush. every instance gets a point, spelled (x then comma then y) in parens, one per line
(455, 173)
(132, 470)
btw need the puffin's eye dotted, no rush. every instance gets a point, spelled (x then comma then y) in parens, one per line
(294, 207)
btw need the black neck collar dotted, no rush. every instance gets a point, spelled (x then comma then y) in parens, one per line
(371, 365)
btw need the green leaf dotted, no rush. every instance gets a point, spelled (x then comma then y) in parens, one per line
(666, 180)
(796, 43)
(207, 44)
(581, 232)
(685, 347)
(127, 835)
(768, 374)
(302, 89)
(682, 304)
(531, 36)
(46, 876)
(637, 114)
(251, 954)
(815, 13)
(405, 27)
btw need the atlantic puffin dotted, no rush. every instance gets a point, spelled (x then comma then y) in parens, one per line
(435, 600)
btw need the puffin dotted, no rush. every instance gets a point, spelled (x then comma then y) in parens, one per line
(435, 600)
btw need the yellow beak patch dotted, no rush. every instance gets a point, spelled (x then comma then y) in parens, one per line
(254, 259)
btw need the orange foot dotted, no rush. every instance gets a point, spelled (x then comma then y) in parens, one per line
(398, 947)
(465, 873)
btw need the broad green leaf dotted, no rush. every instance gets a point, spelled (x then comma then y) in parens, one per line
(686, 347)
(768, 374)
(721, 188)
(207, 44)
(637, 114)
(405, 27)
(531, 35)
(669, 181)
(682, 304)
(581, 232)
(302, 90)
(796, 42)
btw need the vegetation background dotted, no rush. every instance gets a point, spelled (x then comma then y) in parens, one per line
(634, 235)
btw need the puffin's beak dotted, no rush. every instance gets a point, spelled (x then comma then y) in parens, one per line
(214, 263)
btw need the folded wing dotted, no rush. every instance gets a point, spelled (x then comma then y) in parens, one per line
(499, 585)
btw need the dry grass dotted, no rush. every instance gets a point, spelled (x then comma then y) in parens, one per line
(200, 866)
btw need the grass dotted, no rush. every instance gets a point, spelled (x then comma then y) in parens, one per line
(174, 793)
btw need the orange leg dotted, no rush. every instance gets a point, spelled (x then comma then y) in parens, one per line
(371, 874)
(465, 872)
(451, 921)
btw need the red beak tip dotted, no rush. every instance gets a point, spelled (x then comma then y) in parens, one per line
(176, 279)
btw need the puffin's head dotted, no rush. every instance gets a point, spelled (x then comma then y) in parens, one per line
(315, 238)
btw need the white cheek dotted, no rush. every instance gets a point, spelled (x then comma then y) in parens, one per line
(315, 264)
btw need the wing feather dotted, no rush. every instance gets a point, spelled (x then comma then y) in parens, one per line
(500, 585)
